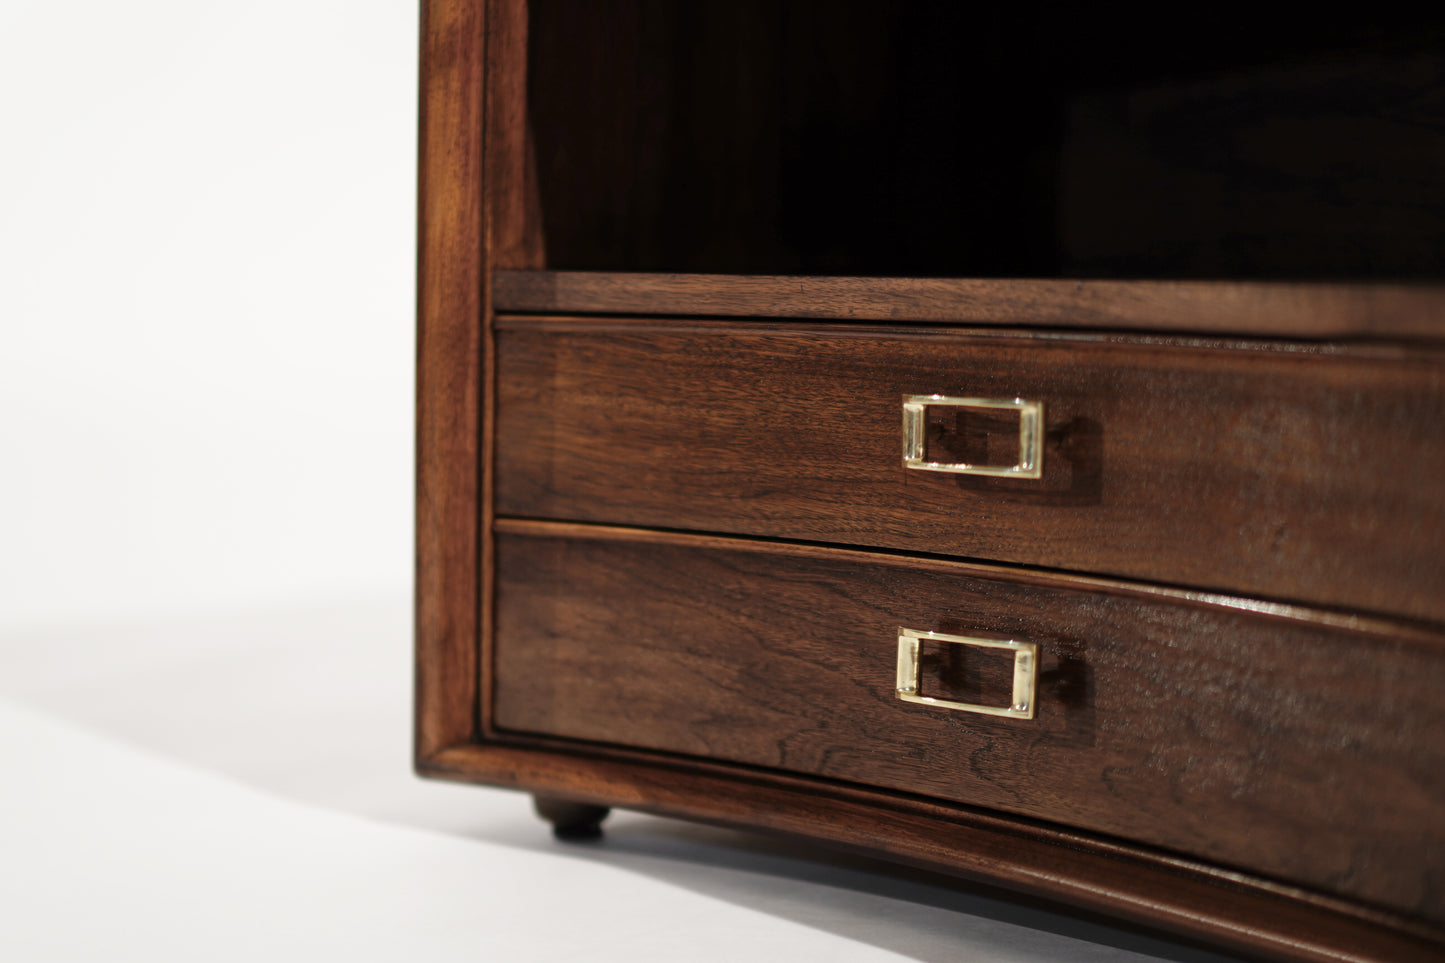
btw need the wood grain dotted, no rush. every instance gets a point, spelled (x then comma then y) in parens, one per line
(954, 567)
(514, 216)
(1293, 475)
(1266, 920)
(638, 136)
(1034, 140)
(1290, 749)
(449, 371)
(814, 136)
(1264, 309)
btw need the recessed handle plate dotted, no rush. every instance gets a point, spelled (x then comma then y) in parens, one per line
(1031, 435)
(1026, 659)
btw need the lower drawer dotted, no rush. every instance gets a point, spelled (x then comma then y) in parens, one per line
(1280, 742)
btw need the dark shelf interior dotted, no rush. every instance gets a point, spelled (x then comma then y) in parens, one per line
(1003, 140)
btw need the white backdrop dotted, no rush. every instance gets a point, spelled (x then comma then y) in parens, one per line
(206, 305)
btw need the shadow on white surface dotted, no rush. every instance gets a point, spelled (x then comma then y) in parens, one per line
(312, 706)
(112, 853)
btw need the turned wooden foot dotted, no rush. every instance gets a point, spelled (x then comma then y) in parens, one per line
(571, 820)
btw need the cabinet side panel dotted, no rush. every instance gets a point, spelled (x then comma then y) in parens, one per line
(514, 218)
(449, 364)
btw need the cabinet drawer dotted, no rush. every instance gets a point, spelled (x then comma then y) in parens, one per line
(1275, 743)
(1290, 474)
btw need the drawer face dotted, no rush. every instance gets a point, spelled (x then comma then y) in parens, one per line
(1307, 753)
(1297, 476)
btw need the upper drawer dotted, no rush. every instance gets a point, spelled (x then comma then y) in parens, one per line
(1295, 474)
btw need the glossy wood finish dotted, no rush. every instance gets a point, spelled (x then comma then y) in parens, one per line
(1283, 747)
(1267, 921)
(746, 135)
(450, 302)
(1268, 472)
(1262, 309)
(1027, 139)
(491, 198)
(514, 218)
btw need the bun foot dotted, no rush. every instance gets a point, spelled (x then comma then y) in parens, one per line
(571, 821)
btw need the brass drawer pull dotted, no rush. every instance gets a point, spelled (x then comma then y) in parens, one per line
(1026, 658)
(1031, 435)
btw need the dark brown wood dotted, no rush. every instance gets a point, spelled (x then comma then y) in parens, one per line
(1285, 748)
(449, 354)
(1264, 919)
(847, 138)
(746, 135)
(510, 237)
(1267, 309)
(513, 204)
(571, 821)
(1263, 472)
(1029, 140)
(1042, 578)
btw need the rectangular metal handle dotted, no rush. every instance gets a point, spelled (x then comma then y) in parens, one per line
(1031, 436)
(1026, 659)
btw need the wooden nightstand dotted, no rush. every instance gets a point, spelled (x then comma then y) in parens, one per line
(981, 441)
